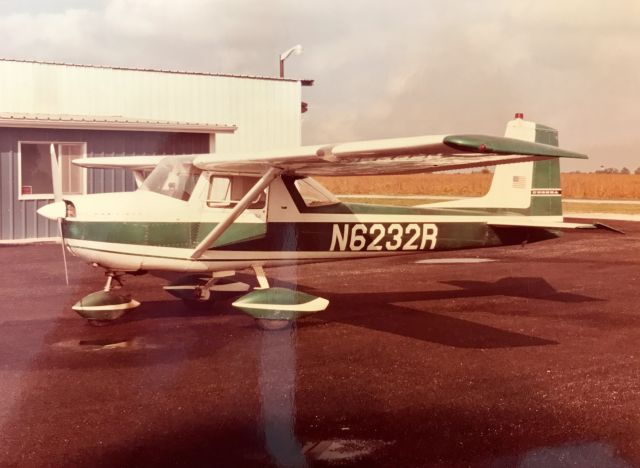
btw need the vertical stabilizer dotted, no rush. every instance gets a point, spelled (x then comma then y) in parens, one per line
(545, 193)
(527, 188)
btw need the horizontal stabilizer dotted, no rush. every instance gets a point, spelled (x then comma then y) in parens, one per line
(608, 228)
(532, 222)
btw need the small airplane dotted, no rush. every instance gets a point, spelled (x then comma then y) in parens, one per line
(210, 215)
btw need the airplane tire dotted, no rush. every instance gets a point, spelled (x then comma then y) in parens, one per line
(99, 323)
(204, 300)
(274, 325)
(198, 304)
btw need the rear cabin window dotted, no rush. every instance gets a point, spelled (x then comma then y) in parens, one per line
(228, 191)
(313, 194)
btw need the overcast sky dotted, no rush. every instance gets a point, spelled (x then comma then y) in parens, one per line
(381, 68)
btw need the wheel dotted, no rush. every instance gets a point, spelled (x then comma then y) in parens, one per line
(99, 323)
(273, 325)
(200, 299)
(198, 304)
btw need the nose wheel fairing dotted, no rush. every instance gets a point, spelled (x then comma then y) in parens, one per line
(105, 305)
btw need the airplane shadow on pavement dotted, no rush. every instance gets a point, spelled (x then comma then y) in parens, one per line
(429, 326)
(160, 326)
(381, 312)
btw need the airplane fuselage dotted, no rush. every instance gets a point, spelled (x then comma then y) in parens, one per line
(149, 231)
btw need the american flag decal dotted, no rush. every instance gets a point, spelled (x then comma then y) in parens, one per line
(519, 182)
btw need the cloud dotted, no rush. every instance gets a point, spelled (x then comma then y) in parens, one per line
(46, 34)
(381, 68)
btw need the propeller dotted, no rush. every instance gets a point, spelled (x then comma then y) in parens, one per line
(56, 176)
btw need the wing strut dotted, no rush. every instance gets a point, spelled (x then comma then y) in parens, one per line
(242, 205)
(138, 176)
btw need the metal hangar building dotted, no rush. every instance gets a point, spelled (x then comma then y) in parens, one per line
(94, 111)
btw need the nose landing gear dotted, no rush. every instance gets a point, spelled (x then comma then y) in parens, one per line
(106, 305)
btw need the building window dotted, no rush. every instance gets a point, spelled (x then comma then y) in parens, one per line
(35, 169)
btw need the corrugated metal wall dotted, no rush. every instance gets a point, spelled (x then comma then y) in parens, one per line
(267, 112)
(19, 220)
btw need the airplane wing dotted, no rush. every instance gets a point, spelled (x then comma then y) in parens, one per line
(137, 164)
(134, 163)
(390, 156)
(371, 157)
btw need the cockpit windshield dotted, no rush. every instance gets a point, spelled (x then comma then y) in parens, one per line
(174, 177)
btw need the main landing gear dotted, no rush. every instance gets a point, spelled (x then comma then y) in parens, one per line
(200, 291)
(272, 308)
(104, 306)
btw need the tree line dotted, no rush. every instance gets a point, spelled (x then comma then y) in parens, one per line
(615, 170)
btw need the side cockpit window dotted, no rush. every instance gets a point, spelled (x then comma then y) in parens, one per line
(227, 191)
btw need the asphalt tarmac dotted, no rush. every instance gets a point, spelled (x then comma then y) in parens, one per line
(531, 359)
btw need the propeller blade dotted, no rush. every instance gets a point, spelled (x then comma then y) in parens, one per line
(56, 179)
(56, 175)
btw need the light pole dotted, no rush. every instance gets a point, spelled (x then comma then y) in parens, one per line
(297, 49)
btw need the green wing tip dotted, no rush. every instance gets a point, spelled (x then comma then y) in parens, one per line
(502, 145)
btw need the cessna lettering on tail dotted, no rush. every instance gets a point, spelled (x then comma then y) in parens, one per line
(383, 237)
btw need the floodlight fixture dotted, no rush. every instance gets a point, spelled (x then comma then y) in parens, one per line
(296, 49)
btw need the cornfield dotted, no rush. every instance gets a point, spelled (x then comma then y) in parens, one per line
(595, 186)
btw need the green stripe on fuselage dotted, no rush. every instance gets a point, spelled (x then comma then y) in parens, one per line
(177, 234)
(386, 210)
(310, 237)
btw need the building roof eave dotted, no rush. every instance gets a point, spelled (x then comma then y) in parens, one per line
(85, 122)
(304, 82)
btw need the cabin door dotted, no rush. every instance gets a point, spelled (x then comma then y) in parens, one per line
(225, 191)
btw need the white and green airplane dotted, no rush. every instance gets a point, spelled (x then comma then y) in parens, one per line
(211, 215)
